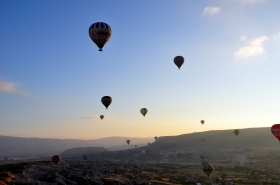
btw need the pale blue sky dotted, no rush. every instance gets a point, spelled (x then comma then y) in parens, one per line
(52, 76)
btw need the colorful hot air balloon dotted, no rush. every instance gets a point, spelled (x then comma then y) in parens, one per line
(202, 156)
(106, 100)
(56, 159)
(144, 111)
(275, 129)
(208, 169)
(101, 116)
(100, 33)
(204, 140)
(202, 122)
(128, 141)
(156, 138)
(179, 60)
(236, 132)
(135, 146)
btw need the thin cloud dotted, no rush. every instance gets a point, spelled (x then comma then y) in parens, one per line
(210, 11)
(276, 37)
(243, 2)
(253, 49)
(243, 38)
(10, 87)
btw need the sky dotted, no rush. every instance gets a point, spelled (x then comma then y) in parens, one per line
(52, 76)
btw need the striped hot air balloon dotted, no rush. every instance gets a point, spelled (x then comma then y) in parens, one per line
(106, 101)
(208, 169)
(100, 33)
(179, 60)
(56, 159)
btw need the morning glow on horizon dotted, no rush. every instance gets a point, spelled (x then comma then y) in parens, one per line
(53, 76)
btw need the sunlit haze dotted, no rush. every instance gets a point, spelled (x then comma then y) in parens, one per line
(52, 76)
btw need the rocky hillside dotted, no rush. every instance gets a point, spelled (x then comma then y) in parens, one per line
(74, 152)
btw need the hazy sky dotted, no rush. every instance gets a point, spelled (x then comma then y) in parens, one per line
(52, 76)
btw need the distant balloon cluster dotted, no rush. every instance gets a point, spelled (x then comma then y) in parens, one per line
(100, 33)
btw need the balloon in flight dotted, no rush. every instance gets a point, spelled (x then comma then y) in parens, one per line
(106, 101)
(128, 141)
(156, 138)
(135, 146)
(179, 60)
(204, 140)
(144, 111)
(236, 132)
(101, 116)
(208, 169)
(275, 130)
(56, 159)
(202, 122)
(100, 33)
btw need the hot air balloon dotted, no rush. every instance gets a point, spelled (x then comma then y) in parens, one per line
(275, 129)
(56, 159)
(128, 141)
(204, 140)
(106, 100)
(149, 143)
(100, 33)
(236, 132)
(156, 138)
(202, 156)
(202, 122)
(144, 111)
(101, 116)
(135, 146)
(179, 60)
(208, 169)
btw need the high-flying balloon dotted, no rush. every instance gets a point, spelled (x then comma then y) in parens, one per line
(202, 156)
(128, 141)
(236, 132)
(101, 116)
(179, 60)
(144, 111)
(106, 101)
(208, 169)
(156, 138)
(135, 146)
(56, 159)
(202, 122)
(100, 33)
(204, 139)
(275, 129)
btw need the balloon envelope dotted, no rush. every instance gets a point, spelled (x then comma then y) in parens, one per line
(275, 130)
(204, 140)
(236, 132)
(179, 60)
(106, 101)
(56, 159)
(128, 141)
(208, 169)
(101, 116)
(100, 33)
(202, 122)
(135, 146)
(144, 111)
(156, 138)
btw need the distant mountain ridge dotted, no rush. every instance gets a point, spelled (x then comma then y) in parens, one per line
(19, 146)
